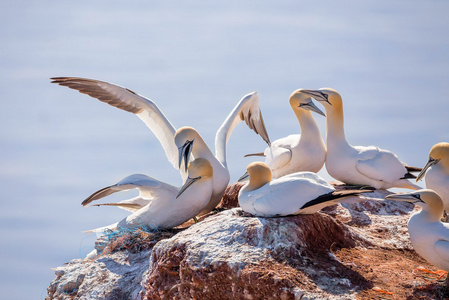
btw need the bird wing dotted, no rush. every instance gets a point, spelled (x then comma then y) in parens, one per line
(442, 248)
(276, 157)
(129, 101)
(379, 164)
(132, 207)
(144, 183)
(246, 110)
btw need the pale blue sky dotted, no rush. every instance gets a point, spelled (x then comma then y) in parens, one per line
(196, 59)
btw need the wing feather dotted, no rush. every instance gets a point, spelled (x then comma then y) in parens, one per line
(246, 110)
(129, 101)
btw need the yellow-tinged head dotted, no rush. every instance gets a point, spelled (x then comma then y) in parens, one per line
(429, 200)
(199, 169)
(439, 154)
(185, 133)
(184, 138)
(329, 97)
(299, 99)
(259, 175)
(439, 151)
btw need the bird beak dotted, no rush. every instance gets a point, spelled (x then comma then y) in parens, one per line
(243, 177)
(318, 95)
(406, 197)
(312, 107)
(187, 184)
(184, 153)
(430, 163)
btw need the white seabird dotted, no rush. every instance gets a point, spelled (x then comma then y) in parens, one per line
(292, 194)
(246, 110)
(429, 236)
(436, 172)
(358, 165)
(298, 152)
(166, 210)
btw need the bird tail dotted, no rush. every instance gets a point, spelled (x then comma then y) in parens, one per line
(413, 169)
(102, 229)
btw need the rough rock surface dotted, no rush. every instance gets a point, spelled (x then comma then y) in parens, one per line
(347, 251)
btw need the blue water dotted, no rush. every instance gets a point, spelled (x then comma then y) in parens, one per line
(388, 59)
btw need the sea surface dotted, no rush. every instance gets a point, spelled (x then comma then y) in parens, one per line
(195, 59)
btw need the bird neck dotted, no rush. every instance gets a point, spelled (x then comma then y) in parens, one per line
(444, 162)
(256, 183)
(335, 125)
(306, 122)
(431, 213)
(222, 136)
(200, 149)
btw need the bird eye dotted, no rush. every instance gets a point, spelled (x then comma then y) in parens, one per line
(417, 196)
(326, 96)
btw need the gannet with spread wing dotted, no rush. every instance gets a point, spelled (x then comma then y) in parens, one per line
(246, 110)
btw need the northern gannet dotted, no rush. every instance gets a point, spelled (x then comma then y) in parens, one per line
(358, 165)
(292, 194)
(246, 110)
(436, 172)
(429, 236)
(166, 210)
(298, 152)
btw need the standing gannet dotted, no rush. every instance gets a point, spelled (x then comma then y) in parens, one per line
(246, 110)
(168, 210)
(429, 236)
(298, 152)
(358, 165)
(292, 194)
(437, 172)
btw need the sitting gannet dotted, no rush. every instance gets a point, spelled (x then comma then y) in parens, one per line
(429, 236)
(292, 194)
(358, 165)
(166, 210)
(246, 110)
(298, 152)
(437, 172)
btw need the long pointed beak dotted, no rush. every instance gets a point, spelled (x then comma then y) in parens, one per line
(184, 153)
(406, 197)
(187, 184)
(318, 95)
(430, 163)
(243, 177)
(312, 107)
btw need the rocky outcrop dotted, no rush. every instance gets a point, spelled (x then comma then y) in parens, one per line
(234, 255)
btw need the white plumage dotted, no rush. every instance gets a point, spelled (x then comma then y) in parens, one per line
(298, 152)
(358, 165)
(429, 236)
(297, 193)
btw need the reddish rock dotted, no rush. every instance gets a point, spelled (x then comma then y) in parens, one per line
(347, 251)
(231, 196)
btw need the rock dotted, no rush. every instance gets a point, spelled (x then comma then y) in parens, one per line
(339, 253)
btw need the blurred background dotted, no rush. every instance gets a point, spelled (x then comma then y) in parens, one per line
(388, 59)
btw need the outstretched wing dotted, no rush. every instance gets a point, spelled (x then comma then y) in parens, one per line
(129, 101)
(144, 183)
(246, 110)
